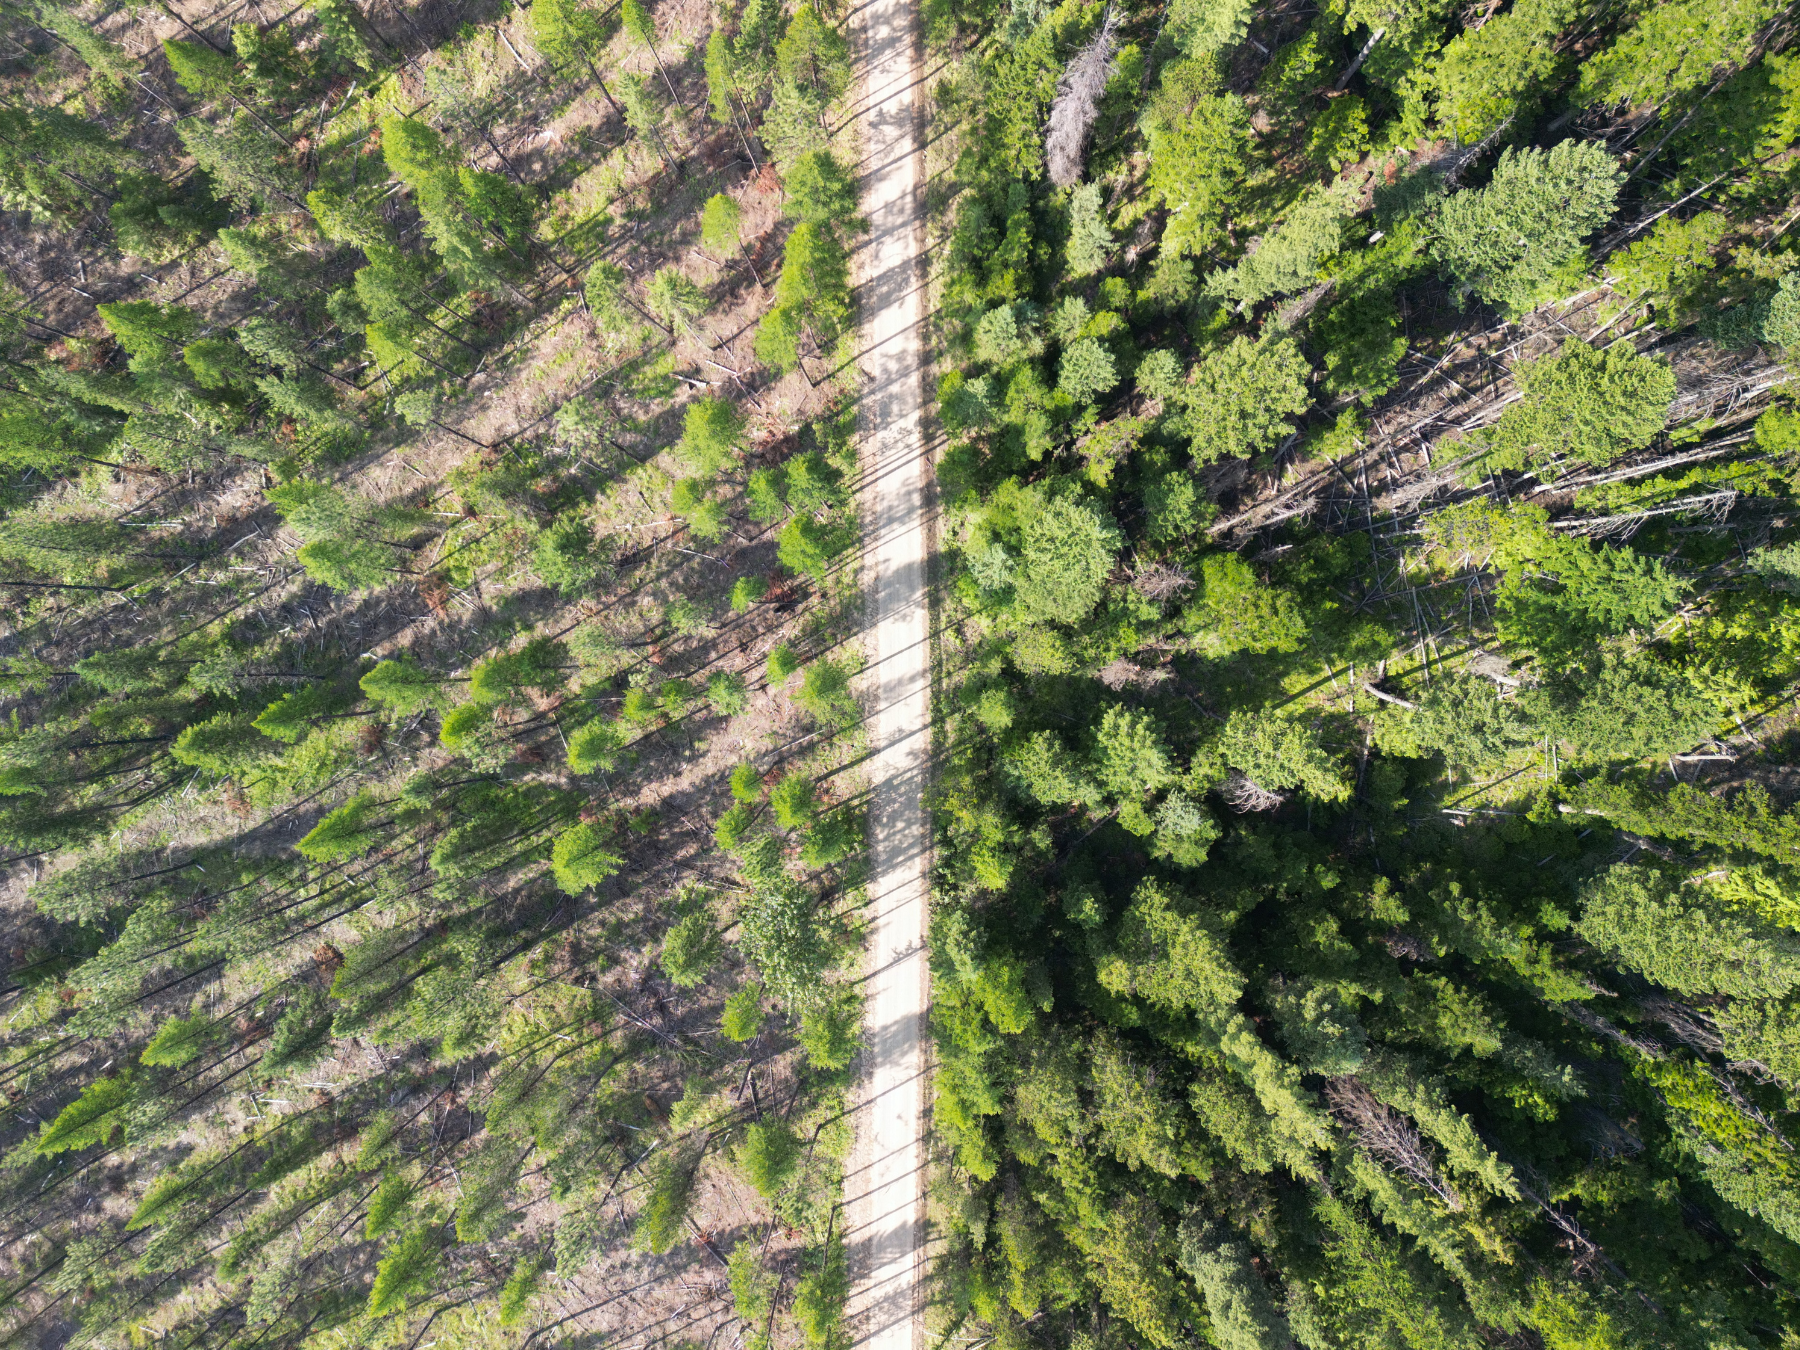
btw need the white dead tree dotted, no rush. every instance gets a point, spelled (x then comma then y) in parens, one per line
(1160, 581)
(1388, 1137)
(1243, 794)
(1077, 105)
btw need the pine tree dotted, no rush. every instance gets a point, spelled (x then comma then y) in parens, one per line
(100, 55)
(605, 291)
(1243, 1315)
(52, 164)
(1674, 50)
(407, 1270)
(536, 665)
(712, 435)
(641, 24)
(768, 1156)
(243, 161)
(1086, 370)
(275, 68)
(1068, 548)
(346, 34)
(346, 831)
(90, 1119)
(691, 948)
(1488, 75)
(402, 684)
(475, 219)
(158, 220)
(583, 859)
(821, 191)
(1202, 27)
(644, 113)
(201, 70)
(721, 79)
(1198, 145)
(1291, 256)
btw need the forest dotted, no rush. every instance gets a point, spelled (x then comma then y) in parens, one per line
(431, 821)
(1367, 906)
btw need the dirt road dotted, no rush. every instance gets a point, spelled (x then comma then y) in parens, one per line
(884, 1188)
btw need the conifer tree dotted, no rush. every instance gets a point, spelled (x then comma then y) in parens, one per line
(719, 224)
(812, 297)
(1518, 241)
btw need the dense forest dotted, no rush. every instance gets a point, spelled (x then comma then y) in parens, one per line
(431, 835)
(1367, 909)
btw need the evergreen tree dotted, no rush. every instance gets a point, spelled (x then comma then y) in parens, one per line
(1518, 241)
(644, 113)
(813, 55)
(1674, 50)
(1198, 141)
(821, 191)
(201, 70)
(675, 299)
(1238, 398)
(1090, 237)
(53, 164)
(1490, 74)
(719, 225)
(1586, 405)
(243, 161)
(812, 297)
(1068, 549)
(641, 24)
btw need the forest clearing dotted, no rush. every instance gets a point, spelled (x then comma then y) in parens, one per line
(434, 801)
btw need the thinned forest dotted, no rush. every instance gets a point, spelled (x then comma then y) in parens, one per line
(431, 822)
(1367, 906)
